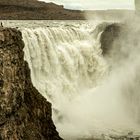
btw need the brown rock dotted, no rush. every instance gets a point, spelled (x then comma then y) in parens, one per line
(24, 113)
(110, 33)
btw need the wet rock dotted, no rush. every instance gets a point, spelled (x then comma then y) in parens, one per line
(109, 35)
(24, 113)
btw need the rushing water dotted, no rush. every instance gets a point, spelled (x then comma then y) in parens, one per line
(68, 68)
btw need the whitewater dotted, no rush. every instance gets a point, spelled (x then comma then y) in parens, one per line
(91, 94)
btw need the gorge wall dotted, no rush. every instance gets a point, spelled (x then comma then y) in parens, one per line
(24, 112)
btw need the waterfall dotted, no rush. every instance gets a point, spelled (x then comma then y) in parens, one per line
(68, 68)
(62, 60)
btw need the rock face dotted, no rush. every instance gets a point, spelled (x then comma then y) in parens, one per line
(24, 113)
(110, 33)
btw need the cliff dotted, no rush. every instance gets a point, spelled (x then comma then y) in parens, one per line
(24, 113)
(108, 36)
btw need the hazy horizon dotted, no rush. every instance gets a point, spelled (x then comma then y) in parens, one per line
(95, 4)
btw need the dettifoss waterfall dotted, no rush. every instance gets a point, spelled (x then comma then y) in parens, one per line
(91, 94)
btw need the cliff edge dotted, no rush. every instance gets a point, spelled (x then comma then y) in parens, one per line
(24, 113)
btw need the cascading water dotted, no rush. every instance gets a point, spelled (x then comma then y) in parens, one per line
(68, 68)
(62, 60)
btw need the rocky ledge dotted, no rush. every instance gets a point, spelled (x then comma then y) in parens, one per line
(24, 113)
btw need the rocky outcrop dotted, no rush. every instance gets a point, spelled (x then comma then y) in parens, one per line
(24, 113)
(109, 35)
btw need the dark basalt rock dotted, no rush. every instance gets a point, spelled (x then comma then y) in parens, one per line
(109, 35)
(24, 113)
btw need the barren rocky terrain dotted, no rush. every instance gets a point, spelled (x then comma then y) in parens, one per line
(37, 10)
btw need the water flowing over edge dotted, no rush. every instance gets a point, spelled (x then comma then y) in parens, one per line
(68, 68)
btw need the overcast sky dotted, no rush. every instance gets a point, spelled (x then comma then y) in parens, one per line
(95, 4)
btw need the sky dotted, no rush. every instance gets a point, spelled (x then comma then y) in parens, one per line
(95, 4)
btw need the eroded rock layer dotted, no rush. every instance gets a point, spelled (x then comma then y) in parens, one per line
(24, 113)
